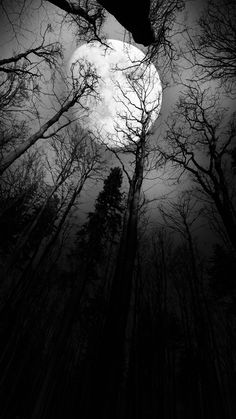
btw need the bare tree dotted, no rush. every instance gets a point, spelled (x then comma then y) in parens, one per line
(23, 76)
(20, 189)
(181, 216)
(163, 17)
(32, 285)
(27, 62)
(83, 85)
(199, 141)
(88, 16)
(81, 162)
(65, 151)
(212, 47)
(87, 164)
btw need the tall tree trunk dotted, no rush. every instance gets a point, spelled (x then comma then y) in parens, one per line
(24, 237)
(20, 305)
(58, 355)
(228, 218)
(26, 281)
(109, 369)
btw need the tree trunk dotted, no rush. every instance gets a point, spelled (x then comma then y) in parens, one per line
(228, 219)
(109, 369)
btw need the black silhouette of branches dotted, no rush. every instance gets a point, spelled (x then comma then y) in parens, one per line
(213, 47)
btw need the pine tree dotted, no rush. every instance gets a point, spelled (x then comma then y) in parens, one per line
(103, 225)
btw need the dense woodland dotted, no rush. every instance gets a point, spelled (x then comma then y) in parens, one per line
(123, 307)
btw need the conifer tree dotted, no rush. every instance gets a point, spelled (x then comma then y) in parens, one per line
(103, 224)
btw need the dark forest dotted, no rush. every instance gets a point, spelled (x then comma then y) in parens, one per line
(117, 263)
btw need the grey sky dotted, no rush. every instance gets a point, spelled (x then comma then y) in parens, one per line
(34, 20)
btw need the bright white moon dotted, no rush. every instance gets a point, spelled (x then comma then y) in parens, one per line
(118, 113)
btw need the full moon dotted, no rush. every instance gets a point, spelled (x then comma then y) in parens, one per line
(127, 88)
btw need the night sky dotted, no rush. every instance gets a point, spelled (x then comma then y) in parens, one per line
(17, 34)
(117, 264)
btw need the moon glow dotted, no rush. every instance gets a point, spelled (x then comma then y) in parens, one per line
(117, 98)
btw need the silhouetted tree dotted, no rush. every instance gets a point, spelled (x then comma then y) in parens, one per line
(21, 190)
(83, 83)
(99, 233)
(87, 16)
(164, 23)
(33, 288)
(200, 328)
(221, 272)
(199, 138)
(212, 45)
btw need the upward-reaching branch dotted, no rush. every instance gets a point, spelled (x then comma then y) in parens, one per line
(213, 48)
(46, 52)
(87, 86)
(199, 142)
(91, 14)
